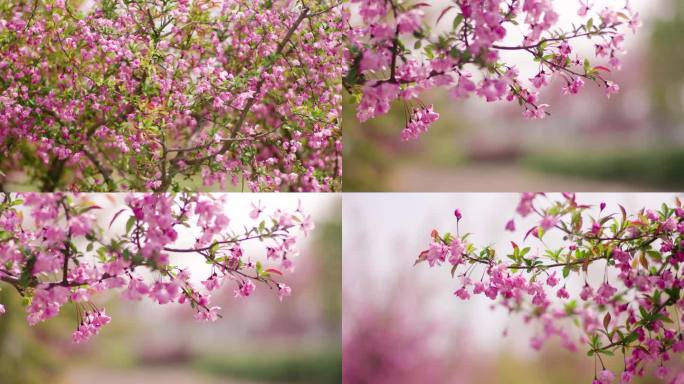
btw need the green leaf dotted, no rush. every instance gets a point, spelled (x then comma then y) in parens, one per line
(212, 250)
(129, 224)
(448, 238)
(524, 251)
(259, 268)
(630, 338)
(458, 20)
(674, 293)
(101, 253)
(27, 272)
(570, 307)
(429, 53)
(566, 271)
(4, 235)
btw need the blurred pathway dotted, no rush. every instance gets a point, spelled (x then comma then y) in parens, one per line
(497, 178)
(156, 375)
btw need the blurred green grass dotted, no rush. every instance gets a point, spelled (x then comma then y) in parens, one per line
(661, 168)
(302, 367)
(27, 355)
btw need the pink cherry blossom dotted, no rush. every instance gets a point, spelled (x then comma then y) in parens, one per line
(510, 225)
(585, 7)
(552, 281)
(211, 283)
(283, 291)
(574, 87)
(626, 377)
(256, 211)
(606, 376)
(245, 289)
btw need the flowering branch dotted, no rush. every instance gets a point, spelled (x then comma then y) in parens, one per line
(63, 255)
(384, 67)
(634, 310)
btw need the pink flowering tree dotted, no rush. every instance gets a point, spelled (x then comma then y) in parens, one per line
(399, 52)
(112, 95)
(54, 251)
(634, 309)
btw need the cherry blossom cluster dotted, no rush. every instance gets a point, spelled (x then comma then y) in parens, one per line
(54, 251)
(633, 308)
(399, 51)
(144, 95)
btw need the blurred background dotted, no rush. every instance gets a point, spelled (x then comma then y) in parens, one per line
(259, 340)
(632, 142)
(402, 323)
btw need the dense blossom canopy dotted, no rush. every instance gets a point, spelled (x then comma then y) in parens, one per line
(399, 51)
(53, 251)
(148, 94)
(634, 308)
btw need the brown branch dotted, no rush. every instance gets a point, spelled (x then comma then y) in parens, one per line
(232, 241)
(8, 277)
(53, 175)
(550, 39)
(233, 140)
(106, 173)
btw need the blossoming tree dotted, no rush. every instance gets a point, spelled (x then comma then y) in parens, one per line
(635, 307)
(61, 254)
(399, 52)
(155, 94)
